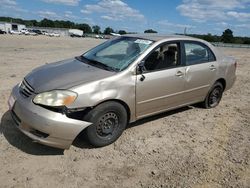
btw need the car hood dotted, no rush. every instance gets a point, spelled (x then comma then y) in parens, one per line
(64, 75)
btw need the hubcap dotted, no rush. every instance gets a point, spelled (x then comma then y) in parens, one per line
(107, 124)
(215, 97)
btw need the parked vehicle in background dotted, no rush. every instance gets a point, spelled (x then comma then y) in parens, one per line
(37, 31)
(54, 34)
(24, 31)
(45, 33)
(99, 37)
(115, 34)
(28, 32)
(31, 32)
(75, 33)
(120, 81)
(15, 32)
(2, 32)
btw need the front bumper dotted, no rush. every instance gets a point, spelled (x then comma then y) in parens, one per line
(42, 125)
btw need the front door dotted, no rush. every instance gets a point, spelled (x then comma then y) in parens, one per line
(160, 86)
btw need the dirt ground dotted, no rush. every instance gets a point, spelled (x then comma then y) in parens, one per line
(189, 147)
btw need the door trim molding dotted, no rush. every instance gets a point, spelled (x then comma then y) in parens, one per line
(171, 95)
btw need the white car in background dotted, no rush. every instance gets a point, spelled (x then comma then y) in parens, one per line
(15, 32)
(45, 33)
(54, 34)
(28, 32)
(24, 31)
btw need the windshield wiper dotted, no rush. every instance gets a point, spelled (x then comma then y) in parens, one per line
(82, 59)
(96, 63)
(102, 65)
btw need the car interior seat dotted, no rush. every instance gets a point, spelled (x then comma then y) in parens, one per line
(170, 56)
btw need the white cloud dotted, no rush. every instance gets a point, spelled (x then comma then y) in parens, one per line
(66, 15)
(166, 23)
(7, 5)
(115, 10)
(243, 26)
(48, 14)
(203, 10)
(108, 18)
(69, 15)
(88, 20)
(224, 24)
(241, 16)
(64, 2)
(166, 26)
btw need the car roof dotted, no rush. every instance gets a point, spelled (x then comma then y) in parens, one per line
(158, 37)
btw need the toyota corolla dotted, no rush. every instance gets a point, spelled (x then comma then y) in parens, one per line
(116, 83)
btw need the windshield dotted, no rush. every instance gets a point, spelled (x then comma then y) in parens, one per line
(117, 54)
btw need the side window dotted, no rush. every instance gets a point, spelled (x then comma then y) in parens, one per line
(196, 54)
(165, 56)
(211, 56)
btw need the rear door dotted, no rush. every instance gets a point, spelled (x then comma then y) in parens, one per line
(201, 68)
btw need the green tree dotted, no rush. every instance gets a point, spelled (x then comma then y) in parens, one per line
(84, 27)
(246, 40)
(227, 36)
(108, 30)
(150, 31)
(96, 29)
(209, 37)
(47, 23)
(122, 32)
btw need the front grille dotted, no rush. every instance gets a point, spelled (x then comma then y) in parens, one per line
(25, 89)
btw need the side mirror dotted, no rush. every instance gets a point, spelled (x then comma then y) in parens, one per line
(141, 69)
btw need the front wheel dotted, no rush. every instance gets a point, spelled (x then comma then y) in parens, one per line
(109, 120)
(214, 96)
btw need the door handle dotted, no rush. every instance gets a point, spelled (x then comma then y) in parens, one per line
(212, 68)
(179, 74)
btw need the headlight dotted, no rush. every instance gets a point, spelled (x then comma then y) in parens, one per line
(55, 98)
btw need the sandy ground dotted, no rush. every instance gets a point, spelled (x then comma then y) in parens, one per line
(189, 147)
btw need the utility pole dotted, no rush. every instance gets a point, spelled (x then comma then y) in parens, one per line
(185, 31)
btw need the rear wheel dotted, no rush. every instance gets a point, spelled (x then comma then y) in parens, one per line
(214, 96)
(109, 120)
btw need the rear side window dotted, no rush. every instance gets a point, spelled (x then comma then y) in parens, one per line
(196, 53)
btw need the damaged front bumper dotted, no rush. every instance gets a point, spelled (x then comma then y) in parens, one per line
(42, 125)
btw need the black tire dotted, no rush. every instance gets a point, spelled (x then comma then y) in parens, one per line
(214, 96)
(109, 121)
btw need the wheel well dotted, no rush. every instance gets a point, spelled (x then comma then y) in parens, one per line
(122, 103)
(223, 82)
(78, 115)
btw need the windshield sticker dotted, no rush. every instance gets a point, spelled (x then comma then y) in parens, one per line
(140, 41)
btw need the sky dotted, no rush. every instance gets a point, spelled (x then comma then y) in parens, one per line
(164, 16)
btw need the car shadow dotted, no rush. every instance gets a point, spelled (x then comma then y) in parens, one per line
(17, 139)
(81, 141)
